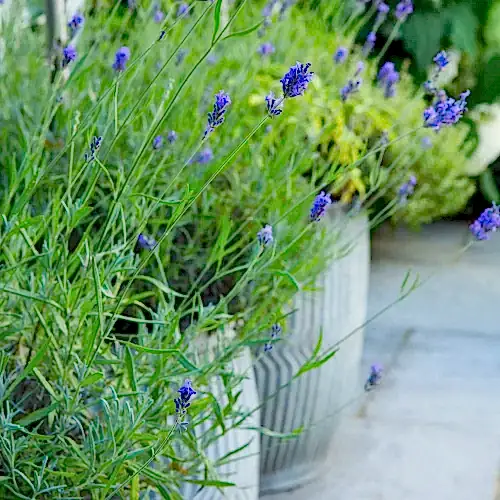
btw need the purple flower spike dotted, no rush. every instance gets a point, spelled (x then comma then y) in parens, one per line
(69, 54)
(182, 403)
(265, 235)
(488, 222)
(146, 242)
(275, 332)
(273, 105)
(158, 16)
(216, 117)
(319, 207)
(183, 9)
(205, 156)
(157, 142)
(340, 55)
(403, 10)
(121, 58)
(95, 144)
(441, 60)
(388, 77)
(351, 87)
(266, 49)
(296, 80)
(76, 22)
(407, 189)
(369, 43)
(446, 111)
(375, 376)
(172, 136)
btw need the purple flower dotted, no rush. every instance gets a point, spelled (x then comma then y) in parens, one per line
(205, 156)
(121, 58)
(273, 105)
(157, 142)
(296, 80)
(382, 8)
(369, 43)
(95, 144)
(76, 22)
(183, 9)
(275, 332)
(285, 6)
(487, 223)
(211, 59)
(446, 111)
(441, 60)
(216, 117)
(340, 55)
(69, 54)
(265, 235)
(351, 87)
(386, 69)
(172, 136)
(158, 16)
(388, 77)
(146, 242)
(268, 9)
(319, 207)
(266, 49)
(403, 10)
(407, 189)
(182, 403)
(375, 376)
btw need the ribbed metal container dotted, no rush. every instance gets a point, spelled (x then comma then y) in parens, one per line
(317, 399)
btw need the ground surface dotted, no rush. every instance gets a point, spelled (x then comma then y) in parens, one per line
(431, 430)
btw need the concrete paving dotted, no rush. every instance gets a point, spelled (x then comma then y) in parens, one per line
(431, 430)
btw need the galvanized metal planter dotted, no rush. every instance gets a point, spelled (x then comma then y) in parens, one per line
(316, 399)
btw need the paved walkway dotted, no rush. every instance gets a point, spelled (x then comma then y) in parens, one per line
(431, 431)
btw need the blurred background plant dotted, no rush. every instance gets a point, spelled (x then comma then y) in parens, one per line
(470, 31)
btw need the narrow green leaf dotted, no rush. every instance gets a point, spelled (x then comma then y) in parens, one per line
(91, 379)
(158, 284)
(129, 363)
(45, 383)
(218, 412)
(319, 343)
(210, 482)
(281, 435)
(243, 32)
(100, 310)
(405, 281)
(217, 13)
(181, 358)
(158, 200)
(28, 295)
(288, 275)
(222, 460)
(37, 415)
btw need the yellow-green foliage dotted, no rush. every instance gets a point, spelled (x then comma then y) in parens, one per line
(344, 132)
(349, 129)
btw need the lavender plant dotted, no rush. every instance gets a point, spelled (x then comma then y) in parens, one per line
(119, 249)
